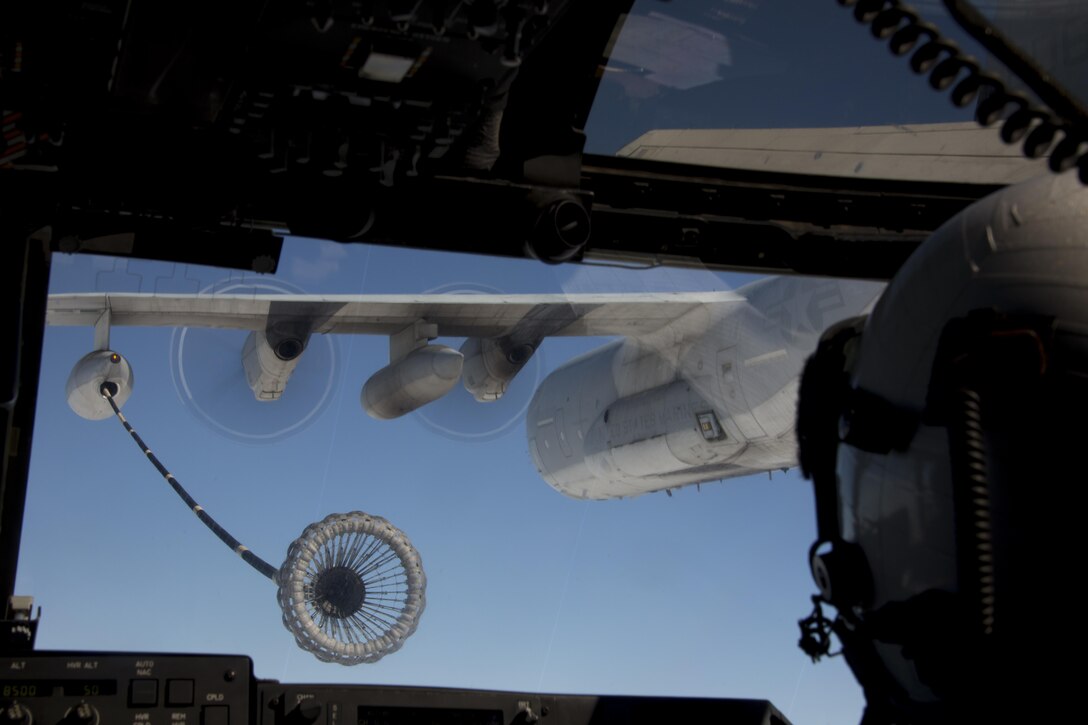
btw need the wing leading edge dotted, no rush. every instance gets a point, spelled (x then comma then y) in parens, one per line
(482, 316)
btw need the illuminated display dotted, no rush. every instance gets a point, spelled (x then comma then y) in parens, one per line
(45, 688)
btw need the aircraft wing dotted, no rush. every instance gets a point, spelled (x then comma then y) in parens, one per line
(466, 315)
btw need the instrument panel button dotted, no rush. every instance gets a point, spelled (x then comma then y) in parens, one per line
(215, 715)
(143, 693)
(179, 693)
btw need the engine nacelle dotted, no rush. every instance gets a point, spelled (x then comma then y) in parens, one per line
(84, 386)
(490, 365)
(421, 376)
(268, 364)
(590, 441)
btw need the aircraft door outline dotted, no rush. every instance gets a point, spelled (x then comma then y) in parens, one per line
(733, 397)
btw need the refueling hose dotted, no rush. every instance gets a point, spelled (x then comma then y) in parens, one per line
(108, 390)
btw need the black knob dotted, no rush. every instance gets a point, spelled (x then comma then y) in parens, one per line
(15, 714)
(81, 714)
(306, 712)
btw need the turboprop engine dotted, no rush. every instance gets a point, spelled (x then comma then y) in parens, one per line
(84, 386)
(268, 363)
(423, 375)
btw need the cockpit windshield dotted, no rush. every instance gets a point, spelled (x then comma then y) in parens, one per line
(691, 589)
(798, 87)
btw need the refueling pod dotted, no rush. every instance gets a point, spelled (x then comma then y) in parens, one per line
(268, 364)
(490, 365)
(423, 375)
(84, 386)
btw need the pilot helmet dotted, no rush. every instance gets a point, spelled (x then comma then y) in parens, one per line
(943, 436)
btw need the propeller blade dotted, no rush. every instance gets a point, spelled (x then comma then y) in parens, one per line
(206, 366)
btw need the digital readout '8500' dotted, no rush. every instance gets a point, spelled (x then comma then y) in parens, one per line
(45, 688)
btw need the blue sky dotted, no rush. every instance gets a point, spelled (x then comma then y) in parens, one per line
(697, 594)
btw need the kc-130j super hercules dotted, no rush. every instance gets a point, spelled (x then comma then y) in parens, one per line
(701, 387)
